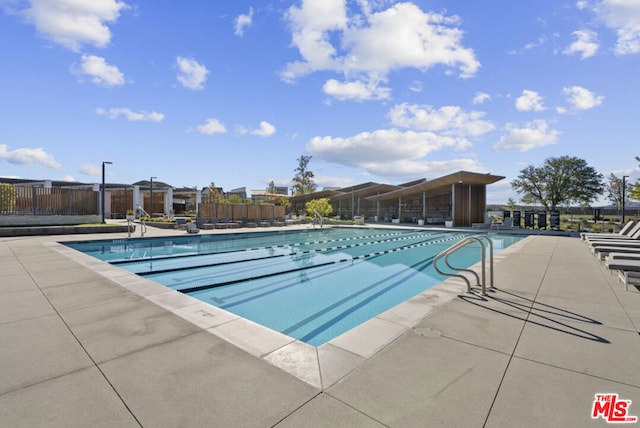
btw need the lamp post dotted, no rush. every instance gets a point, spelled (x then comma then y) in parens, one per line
(102, 190)
(151, 195)
(624, 185)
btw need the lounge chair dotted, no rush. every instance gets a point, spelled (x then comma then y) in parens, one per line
(181, 223)
(626, 267)
(230, 224)
(633, 239)
(626, 230)
(192, 228)
(202, 224)
(218, 224)
(635, 255)
(602, 252)
(262, 223)
(246, 223)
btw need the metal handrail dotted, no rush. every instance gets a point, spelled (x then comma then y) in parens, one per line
(467, 241)
(316, 214)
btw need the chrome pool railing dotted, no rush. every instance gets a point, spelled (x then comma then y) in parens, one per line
(484, 242)
(317, 215)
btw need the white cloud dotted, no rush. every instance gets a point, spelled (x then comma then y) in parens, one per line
(390, 153)
(415, 86)
(91, 170)
(529, 101)
(622, 16)
(533, 135)
(358, 91)
(266, 130)
(408, 170)
(582, 4)
(28, 157)
(367, 47)
(243, 21)
(69, 178)
(74, 23)
(581, 98)
(586, 44)
(447, 120)
(191, 74)
(131, 116)
(480, 98)
(99, 71)
(211, 127)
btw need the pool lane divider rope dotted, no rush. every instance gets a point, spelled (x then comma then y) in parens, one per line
(333, 262)
(293, 253)
(267, 247)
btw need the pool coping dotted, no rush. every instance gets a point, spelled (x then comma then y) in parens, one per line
(320, 366)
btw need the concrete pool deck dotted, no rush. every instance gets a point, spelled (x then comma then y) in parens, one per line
(85, 344)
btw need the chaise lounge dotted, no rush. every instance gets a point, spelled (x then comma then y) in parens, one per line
(626, 267)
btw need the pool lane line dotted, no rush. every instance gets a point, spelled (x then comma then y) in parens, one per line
(269, 290)
(266, 247)
(397, 280)
(324, 249)
(301, 268)
(273, 256)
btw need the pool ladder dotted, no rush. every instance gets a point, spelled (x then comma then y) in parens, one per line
(143, 226)
(316, 215)
(484, 242)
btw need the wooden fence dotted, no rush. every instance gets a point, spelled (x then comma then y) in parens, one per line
(237, 212)
(22, 200)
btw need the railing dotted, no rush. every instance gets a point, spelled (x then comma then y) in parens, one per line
(316, 215)
(38, 201)
(143, 225)
(484, 242)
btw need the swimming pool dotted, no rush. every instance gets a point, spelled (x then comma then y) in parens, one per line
(312, 285)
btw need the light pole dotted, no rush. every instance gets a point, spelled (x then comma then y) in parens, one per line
(624, 185)
(102, 190)
(151, 195)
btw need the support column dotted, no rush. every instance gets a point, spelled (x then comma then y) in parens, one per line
(168, 202)
(136, 198)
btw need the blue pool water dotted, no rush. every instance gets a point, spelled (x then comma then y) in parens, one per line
(312, 285)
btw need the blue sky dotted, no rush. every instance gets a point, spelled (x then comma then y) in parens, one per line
(233, 92)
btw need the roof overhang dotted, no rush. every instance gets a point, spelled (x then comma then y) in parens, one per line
(441, 184)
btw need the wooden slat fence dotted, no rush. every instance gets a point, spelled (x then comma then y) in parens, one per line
(21, 200)
(237, 212)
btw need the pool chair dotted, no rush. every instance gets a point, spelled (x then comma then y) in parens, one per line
(192, 228)
(626, 239)
(262, 223)
(628, 268)
(230, 224)
(246, 223)
(629, 229)
(202, 224)
(623, 256)
(602, 252)
(181, 223)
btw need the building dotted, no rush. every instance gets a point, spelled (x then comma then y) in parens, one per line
(461, 197)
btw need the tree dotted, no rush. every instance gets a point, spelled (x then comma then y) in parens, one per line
(270, 194)
(8, 197)
(235, 199)
(303, 181)
(321, 206)
(213, 194)
(562, 180)
(614, 191)
(633, 190)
